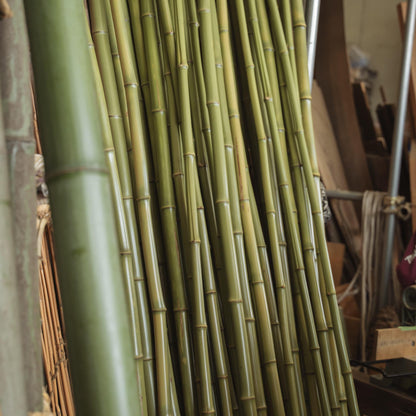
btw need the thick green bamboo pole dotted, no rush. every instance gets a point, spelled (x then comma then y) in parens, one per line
(247, 397)
(102, 46)
(13, 400)
(124, 236)
(164, 400)
(86, 246)
(18, 127)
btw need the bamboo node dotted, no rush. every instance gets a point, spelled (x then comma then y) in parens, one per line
(201, 326)
(158, 110)
(282, 243)
(170, 33)
(223, 30)
(192, 23)
(210, 292)
(268, 49)
(225, 377)
(114, 116)
(249, 319)
(299, 24)
(131, 84)
(204, 10)
(159, 310)
(139, 357)
(250, 66)
(258, 282)
(236, 115)
(125, 253)
(182, 309)
(213, 103)
(164, 207)
(174, 174)
(189, 154)
(268, 99)
(269, 362)
(219, 66)
(183, 67)
(195, 241)
(139, 279)
(264, 407)
(271, 211)
(222, 201)
(148, 359)
(208, 412)
(244, 399)
(317, 212)
(77, 169)
(100, 32)
(148, 14)
(143, 198)
(306, 98)
(235, 300)
(144, 83)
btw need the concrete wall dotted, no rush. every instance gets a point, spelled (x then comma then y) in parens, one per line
(373, 26)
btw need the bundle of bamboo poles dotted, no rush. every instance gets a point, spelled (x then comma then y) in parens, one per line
(206, 126)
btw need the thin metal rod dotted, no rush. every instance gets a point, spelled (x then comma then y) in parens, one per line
(348, 195)
(312, 20)
(397, 148)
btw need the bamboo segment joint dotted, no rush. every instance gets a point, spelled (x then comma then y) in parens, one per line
(79, 169)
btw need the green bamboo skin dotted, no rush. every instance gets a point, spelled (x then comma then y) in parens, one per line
(122, 228)
(317, 215)
(247, 396)
(256, 359)
(88, 261)
(191, 179)
(162, 354)
(103, 52)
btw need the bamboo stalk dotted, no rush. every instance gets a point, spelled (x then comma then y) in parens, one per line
(144, 212)
(131, 263)
(86, 246)
(103, 52)
(221, 192)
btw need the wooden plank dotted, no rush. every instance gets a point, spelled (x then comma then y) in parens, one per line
(402, 10)
(332, 73)
(332, 173)
(362, 109)
(395, 343)
(336, 253)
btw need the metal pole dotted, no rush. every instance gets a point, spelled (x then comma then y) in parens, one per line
(348, 195)
(397, 147)
(312, 19)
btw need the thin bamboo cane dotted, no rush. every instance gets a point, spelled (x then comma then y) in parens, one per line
(144, 213)
(247, 396)
(102, 47)
(166, 195)
(256, 359)
(200, 323)
(124, 234)
(90, 272)
(256, 278)
(316, 210)
(283, 184)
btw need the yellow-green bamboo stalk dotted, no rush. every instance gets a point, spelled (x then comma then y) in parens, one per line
(247, 396)
(122, 227)
(102, 47)
(145, 217)
(316, 209)
(293, 239)
(271, 368)
(199, 318)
